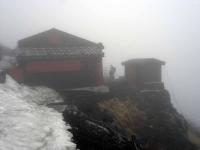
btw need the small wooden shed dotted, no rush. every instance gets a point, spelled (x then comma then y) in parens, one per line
(60, 60)
(141, 72)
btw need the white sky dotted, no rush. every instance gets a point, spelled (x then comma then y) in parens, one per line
(164, 29)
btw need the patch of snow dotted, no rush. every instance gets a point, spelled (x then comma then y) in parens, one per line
(97, 126)
(97, 89)
(26, 123)
(7, 62)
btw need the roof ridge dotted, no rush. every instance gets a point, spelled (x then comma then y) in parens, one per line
(143, 60)
(63, 33)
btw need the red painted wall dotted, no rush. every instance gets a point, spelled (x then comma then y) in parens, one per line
(17, 73)
(70, 73)
(54, 66)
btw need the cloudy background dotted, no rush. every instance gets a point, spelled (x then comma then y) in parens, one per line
(165, 29)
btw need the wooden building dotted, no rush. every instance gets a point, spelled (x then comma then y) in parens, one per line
(141, 73)
(60, 60)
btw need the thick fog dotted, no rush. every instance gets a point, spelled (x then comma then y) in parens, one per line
(165, 29)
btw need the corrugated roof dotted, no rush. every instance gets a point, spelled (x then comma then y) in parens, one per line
(58, 37)
(60, 52)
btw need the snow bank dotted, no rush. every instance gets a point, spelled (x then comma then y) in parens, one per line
(27, 124)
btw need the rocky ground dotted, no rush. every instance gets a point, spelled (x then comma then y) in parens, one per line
(126, 119)
(194, 134)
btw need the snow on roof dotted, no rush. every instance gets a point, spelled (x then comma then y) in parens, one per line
(27, 125)
(59, 52)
